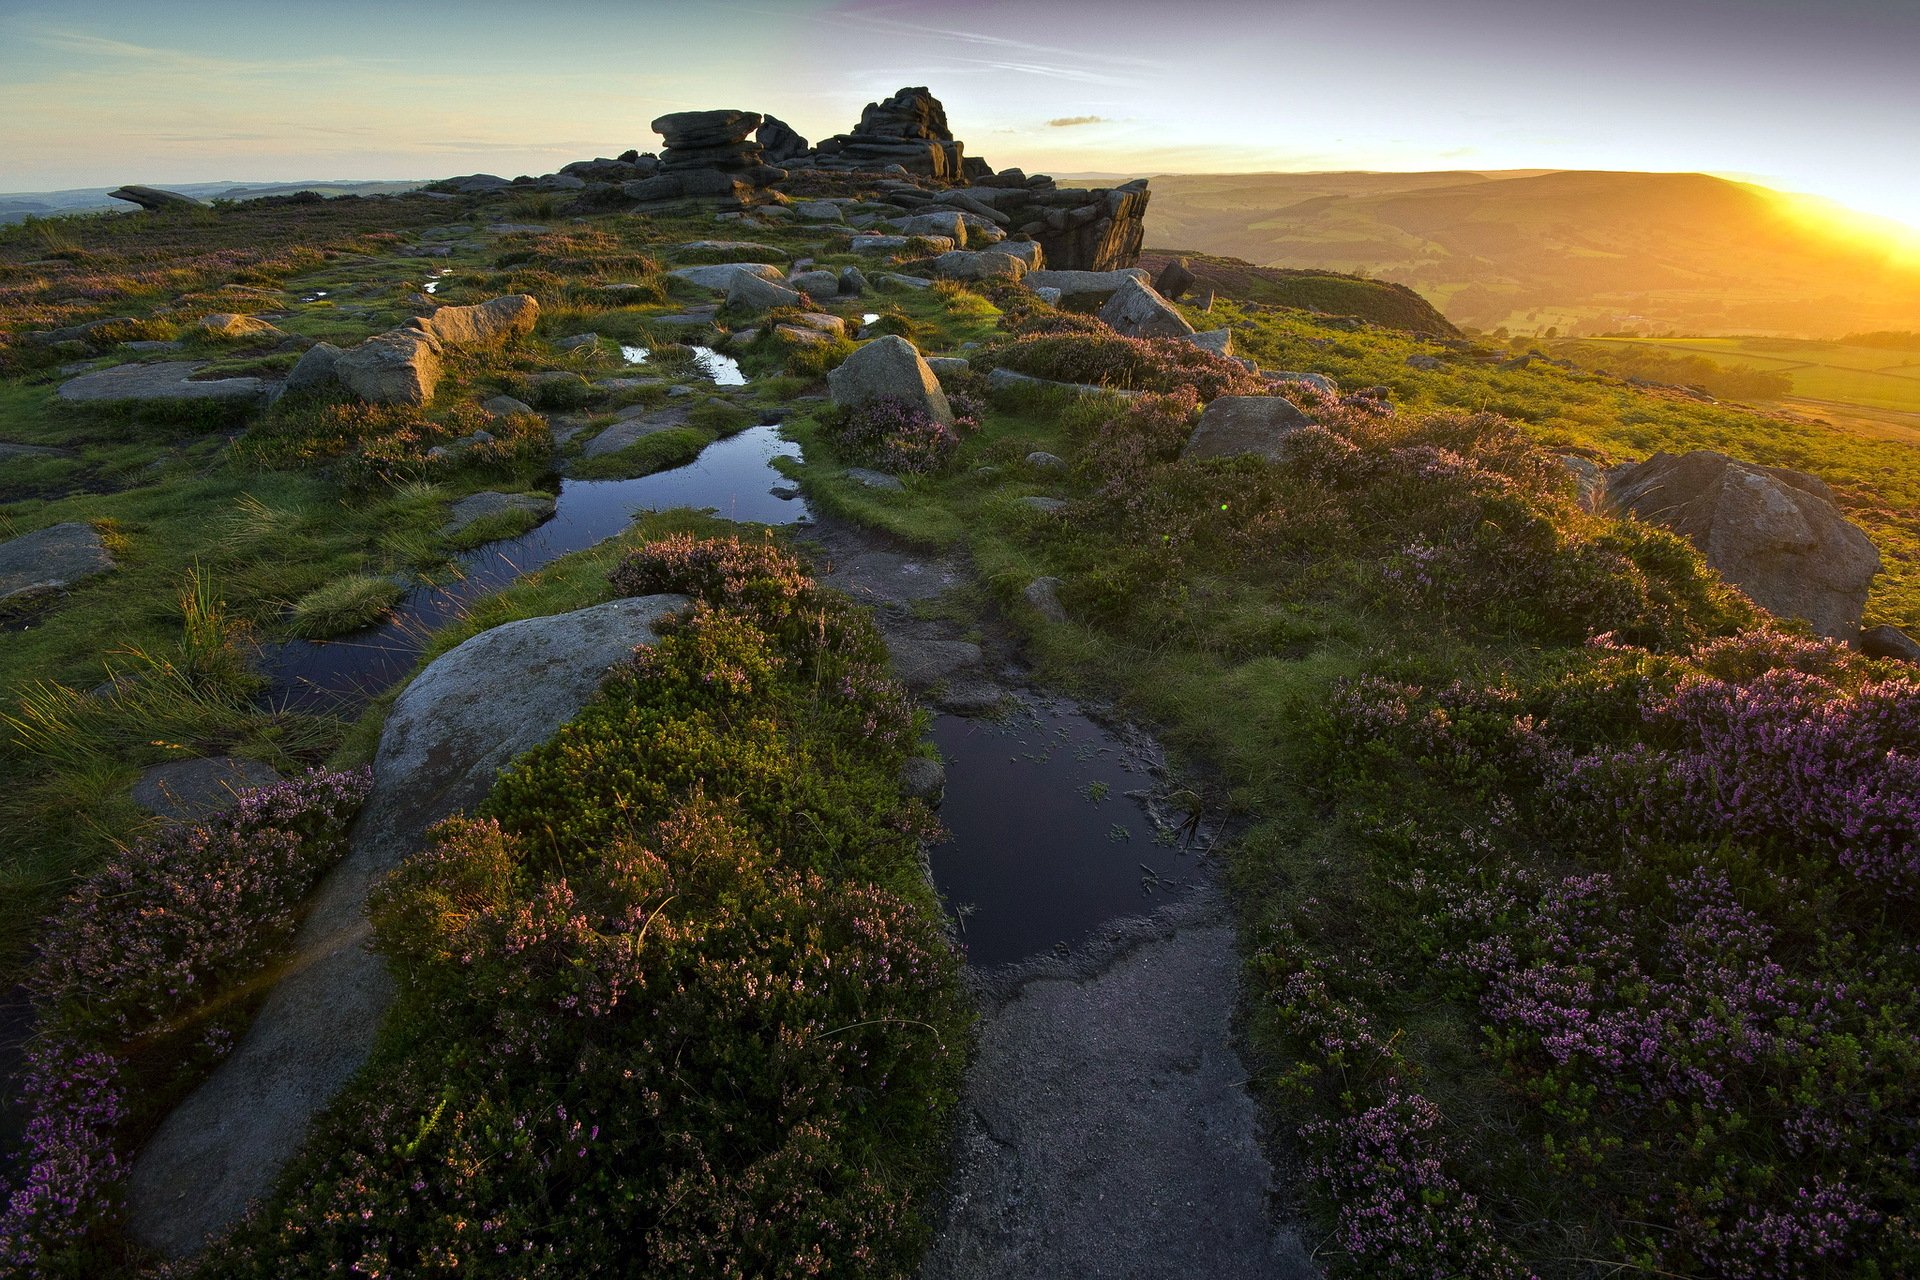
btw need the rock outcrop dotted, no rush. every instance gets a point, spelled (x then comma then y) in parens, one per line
(1236, 426)
(1773, 533)
(709, 155)
(170, 380)
(403, 366)
(155, 198)
(778, 142)
(889, 366)
(1136, 311)
(450, 733)
(909, 129)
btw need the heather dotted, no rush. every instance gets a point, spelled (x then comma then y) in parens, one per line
(676, 1000)
(897, 437)
(1125, 364)
(144, 979)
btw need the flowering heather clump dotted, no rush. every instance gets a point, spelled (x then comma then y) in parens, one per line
(1399, 1212)
(757, 577)
(131, 990)
(898, 437)
(1162, 365)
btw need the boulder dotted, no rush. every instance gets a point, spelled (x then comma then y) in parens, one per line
(1009, 380)
(818, 211)
(901, 244)
(1890, 642)
(1218, 341)
(1318, 381)
(1027, 252)
(816, 284)
(1773, 533)
(505, 406)
(779, 144)
(949, 366)
(822, 323)
(889, 366)
(749, 295)
(169, 381)
(152, 198)
(871, 479)
(48, 560)
(1589, 481)
(314, 368)
(189, 790)
(476, 507)
(924, 779)
(227, 327)
(1174, 280)
(953, 226)
(630, 428)
(854, 281)
(1136, 311)
(449, 735)
(485, 324)
(1235, 426)
(720, 278)
(1084, 287)
(1043, 595)
(401, 367)
(709, 140)
(963, 265)
(1041, 460)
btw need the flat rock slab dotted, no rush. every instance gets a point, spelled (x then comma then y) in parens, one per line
(1107, 1132)
(9, 451)
(476, 507)
(50, 559)
(450, 733)
(631, 430)
(168, 380)
(188, 790)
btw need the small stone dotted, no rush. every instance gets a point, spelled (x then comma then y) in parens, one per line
(1045, 506)
(924, 779)
(1043, 595)
(1890, 642)
(1045, 461)
(875, 479)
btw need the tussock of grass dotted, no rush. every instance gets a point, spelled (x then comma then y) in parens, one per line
(344, 605)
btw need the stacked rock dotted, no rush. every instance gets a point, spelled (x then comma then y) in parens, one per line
(708, 155)
(1098, 229)
(909, 129)
(778, 142)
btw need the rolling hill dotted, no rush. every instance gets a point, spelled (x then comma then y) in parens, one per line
(1585, 252)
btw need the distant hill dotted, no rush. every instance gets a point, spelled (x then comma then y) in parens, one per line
(1585, 252)
(1377, 301)
(18, 206)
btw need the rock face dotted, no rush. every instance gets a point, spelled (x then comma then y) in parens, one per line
(171, 380)
(403, 365)
(889, 366)
(494, 321)
(909, 129)
(1235, 426)
(48, 560)
(708, 154)
(1773, 533)
(1136, 311)
(450, 733)
(156, 198)
(194, 789)
(778, 142)
(1099, 229)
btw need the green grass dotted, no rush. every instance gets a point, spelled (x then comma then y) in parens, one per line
(1869, 377)
(346, 604)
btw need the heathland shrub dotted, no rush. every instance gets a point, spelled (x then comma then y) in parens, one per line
(1125, 364)
(895, 436)
(677, 1001)
(140, 987)
(375, 445)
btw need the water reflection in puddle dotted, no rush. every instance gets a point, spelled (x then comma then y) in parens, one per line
(1047, 843)
(721, 370)
(730, 477)
(870, 317)
(434, 280)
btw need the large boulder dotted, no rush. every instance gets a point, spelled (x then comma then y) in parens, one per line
(749, 295)
(401, 367)
(1174, 279)
(483, 325)
(1237, 426)
(719, 278)
(1773, 533)
(1084, 287)
(48, 560)
(188, 790)
(448, 737)
(154, 198)
(889, 366)
(1137, 311)
(314, 368)
(779, 144)
(963, 264)
(170, 380)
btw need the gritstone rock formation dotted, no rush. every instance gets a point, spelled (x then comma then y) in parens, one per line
(909, 129)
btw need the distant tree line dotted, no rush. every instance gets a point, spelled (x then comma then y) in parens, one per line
(1722, 381)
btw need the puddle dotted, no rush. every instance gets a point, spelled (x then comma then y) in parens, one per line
(634, 355)
(1047, 845)
(731, 477)
(721, 370)
(869, 317)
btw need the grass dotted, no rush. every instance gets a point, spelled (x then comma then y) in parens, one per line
(346, 604)
(1867, 377)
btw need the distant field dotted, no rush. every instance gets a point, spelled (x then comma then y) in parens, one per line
(1865, 377)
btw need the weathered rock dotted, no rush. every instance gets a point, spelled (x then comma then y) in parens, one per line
(924, 779)
(450, 733)
(577, 342)
(749, 295)
(1028, 252)
(816, 284)
(853, 282)
(1009, 380)
(1041, 460)
(822, 323)
(949, 366)
(401, 367)
(952, 226)
(1218, 341)
(908, 130)
(475, 184)
(963, 265)
(1136, 311)
(314, 368)
(1589, 481)
(889, 366)
(915, 283)
(189, 790)
(228, 327)
(1318, 381)
(709, 140)
(171, 380)
(1174, 280)
(1043, 595)
(1890, 642)
(818, 211)
(1084, 287)
(1773, 533)
(778, 142)
(485, 324)
(1233, 426)
(153, 198)
(1425, 363)
(476, 507)
(94, 333)
(1045, 506)
(505, 406)
(633, 427)
(901, 244)
(48, 560)
(875, 480)
(720, 278)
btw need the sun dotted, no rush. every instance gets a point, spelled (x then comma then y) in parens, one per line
(1861, 232)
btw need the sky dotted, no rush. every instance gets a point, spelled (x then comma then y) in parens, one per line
(1816, 96)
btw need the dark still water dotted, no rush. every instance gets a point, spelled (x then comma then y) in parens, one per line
(1047, 844)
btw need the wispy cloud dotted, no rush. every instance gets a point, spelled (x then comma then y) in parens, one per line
(1070, 122)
